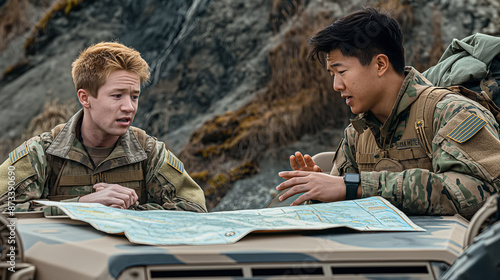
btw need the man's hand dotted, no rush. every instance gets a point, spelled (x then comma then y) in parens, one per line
(303, 163)
(314, 185)
(112, 195)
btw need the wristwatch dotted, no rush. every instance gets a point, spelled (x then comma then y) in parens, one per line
(351, 181)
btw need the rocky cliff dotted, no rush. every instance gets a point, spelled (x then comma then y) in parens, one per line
(231, 92)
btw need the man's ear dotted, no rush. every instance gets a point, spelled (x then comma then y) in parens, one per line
(382, 63)
(83, 97)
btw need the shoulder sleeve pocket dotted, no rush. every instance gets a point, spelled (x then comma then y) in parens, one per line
(466, 134)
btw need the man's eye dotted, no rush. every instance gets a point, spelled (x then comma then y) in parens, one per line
(135, 97)
(117, 95)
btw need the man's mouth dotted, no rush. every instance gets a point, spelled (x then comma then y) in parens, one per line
(347, 99)
(124, 120)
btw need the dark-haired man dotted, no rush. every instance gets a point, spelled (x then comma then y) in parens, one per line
(381, 153)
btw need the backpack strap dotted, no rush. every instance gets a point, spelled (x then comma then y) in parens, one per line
(426, 104)
(482, 98)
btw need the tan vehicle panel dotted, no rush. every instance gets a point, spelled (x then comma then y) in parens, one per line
(61, 248)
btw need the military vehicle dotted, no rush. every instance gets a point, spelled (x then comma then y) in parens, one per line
(52, 248)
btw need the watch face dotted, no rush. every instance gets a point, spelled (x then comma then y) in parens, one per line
(352, 177)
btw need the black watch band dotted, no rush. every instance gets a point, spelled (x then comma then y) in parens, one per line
(351, 181)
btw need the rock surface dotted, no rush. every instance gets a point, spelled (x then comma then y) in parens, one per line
(207, 57)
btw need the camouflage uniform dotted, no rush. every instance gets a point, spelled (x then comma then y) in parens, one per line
(48, 168)
(460, 176)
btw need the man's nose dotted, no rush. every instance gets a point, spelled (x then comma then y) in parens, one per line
(128, 105)
(338, 84)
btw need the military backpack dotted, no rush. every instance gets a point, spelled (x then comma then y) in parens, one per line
(469, 67)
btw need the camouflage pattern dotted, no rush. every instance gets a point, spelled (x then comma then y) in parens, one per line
(331, 254)
(60, 169)
(464, 175)
(490, 85)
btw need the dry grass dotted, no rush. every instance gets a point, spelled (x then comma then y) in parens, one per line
(65, 6)
(13, 21)
(54, 113)
(282, 10)
(401, 10)
(298, 100)
(437, 48)
(216, 186)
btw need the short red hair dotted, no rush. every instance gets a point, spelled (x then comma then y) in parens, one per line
(94, 65)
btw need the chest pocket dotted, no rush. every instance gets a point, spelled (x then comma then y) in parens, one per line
(74, 179)
(406, 154)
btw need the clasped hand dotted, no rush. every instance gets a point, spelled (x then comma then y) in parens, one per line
(112, 195)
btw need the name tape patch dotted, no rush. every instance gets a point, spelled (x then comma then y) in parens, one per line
(408, 143)
(175, 163)
(18, 153)
(467, 128)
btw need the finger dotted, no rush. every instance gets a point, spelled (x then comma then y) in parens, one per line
(117, 196)
(285, 175)
(130, 196)
(136, 197)
(293, 191)
(316, 168)
(287, 184)
(115, 202)
(100, 186)
(301, 199)
(290, 174)
(121, 189)
(291, 183)
(125, 195)
(309, 161)
(300, 159)
(293, 163)
(133, 199)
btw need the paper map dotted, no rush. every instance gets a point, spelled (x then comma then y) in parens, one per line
(177, 227)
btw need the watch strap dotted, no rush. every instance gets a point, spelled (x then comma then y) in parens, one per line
(352, 188)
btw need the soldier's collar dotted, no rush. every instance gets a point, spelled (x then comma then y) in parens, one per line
(63, 141)
(359, 123)
(131, 147)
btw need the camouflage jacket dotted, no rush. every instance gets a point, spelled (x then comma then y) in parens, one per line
(48, 168)
(463, 174)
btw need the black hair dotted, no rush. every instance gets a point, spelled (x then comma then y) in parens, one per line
(362, 34)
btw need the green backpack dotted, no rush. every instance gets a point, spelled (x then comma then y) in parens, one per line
(473, 62)
(469, 67)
